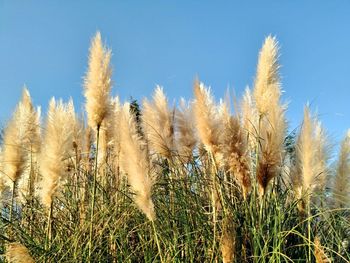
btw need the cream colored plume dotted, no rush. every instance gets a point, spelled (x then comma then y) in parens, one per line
(234, 148)
(158, 124)
(135, 162)
(341, 187)
(271, 124)
(21, 137)
(56, 150)
(98, 83)
(185, 130)
(267, 89)
(18, 253)
(249, 119)
(311, 170)
(206, 117)
(28, 180)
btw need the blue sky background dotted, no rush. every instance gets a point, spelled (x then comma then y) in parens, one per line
(44, 44)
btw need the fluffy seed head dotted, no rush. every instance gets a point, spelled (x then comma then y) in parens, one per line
(207, 121)
(158, 124)
(249, 119)
(310, 171)
(21, 136)
(271, 123)
(234, 150)
(135, 162)
(185, 130)
(98, 83)
(57, 146)
(341, 188)
(267, 82)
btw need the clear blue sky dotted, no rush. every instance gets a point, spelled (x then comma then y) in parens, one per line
(44, 44)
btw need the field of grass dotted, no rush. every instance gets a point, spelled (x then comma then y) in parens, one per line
(204, 181)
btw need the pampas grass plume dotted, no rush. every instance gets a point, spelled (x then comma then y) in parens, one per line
(185, 130)
(208, 124)
(267, 86)
(98, 83)
(57, 146)
(20, 136)
(135, 162)
(271, 122)
(341, 191)
(158, 124)
(310, 171)
(235, 151)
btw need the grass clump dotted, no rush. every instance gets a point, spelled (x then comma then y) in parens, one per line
(160, 184)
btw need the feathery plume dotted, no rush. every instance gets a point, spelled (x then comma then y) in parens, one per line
(135, 162)
(27, 181)
(249, 119)
(158, 124)
(267, 89)
(271, 122)
(207, 121)
(56, 149)
(310, 171)
(18, 253)
(185, 130)
(341, 191)
(20, 136)
(98, 83)
(234, 150)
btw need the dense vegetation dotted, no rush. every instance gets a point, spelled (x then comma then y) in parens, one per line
(151, 183)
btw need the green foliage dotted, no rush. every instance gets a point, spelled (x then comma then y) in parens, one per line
(265, 229)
